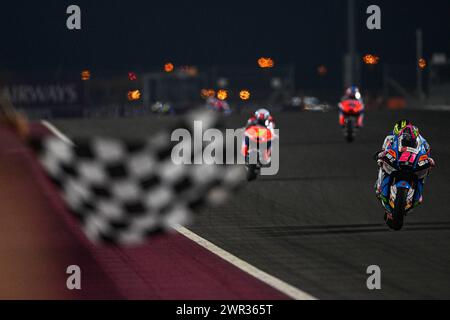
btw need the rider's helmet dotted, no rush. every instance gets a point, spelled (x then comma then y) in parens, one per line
(408, 133)
(400, 125)
(403, 124)
(353, 93)
(262, 115)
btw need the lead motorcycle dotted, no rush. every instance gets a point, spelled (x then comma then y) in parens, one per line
(350, 114)
(257, 148)
(405, 166)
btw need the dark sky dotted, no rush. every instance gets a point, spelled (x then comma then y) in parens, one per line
(145, 34)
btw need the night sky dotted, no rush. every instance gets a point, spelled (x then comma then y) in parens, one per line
(144, 34)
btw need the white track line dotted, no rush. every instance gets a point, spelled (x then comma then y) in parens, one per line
(276, 283)
(56, 132)
(268, 279)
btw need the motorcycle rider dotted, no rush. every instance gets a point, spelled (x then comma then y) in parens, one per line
(261, 117)
(410, 138)
(352, 93)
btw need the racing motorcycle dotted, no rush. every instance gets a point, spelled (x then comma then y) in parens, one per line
(351, 111)
(405, 167)
(257, 149)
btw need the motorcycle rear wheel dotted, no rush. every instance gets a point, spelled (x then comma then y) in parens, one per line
(349, 132)
(252, 172)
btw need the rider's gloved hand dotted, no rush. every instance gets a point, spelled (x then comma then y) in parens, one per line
(380, 162)
(432, 162)
(379, 155)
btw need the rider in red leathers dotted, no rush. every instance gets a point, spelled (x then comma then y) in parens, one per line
(352, 94)
(261, 117)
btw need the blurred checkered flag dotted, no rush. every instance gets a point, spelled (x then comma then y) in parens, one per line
(123, 192)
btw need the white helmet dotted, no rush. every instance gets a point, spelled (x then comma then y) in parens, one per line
(262, 114)
(353, 92)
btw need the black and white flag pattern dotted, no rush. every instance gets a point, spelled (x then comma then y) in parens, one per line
(123, 192)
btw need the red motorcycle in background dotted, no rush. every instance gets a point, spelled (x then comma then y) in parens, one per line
(257, 149)
(351, 116)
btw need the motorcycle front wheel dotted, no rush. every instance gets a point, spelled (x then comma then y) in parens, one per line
(398, 213)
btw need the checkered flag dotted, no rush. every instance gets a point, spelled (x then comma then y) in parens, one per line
(123, 192)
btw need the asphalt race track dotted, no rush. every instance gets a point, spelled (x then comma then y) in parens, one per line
(317, 225)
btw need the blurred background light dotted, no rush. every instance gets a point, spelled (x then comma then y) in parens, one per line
(189, 70)
(276, 83)
(222, 94)
(222, 82)
(207, 93)
(168, 67)
(134, 95)
(322, 70)
(371, 59)
(264, 62)
(85, 75)
(422, 63)
(244, 95)
(132, 76)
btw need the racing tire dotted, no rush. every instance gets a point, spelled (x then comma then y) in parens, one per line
(252, 172)
(398, 213)
(349, 132)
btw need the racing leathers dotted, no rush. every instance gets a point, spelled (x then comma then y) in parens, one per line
(342, 111)
(267, 123)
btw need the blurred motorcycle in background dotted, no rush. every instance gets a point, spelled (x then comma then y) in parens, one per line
(351, 117)
(257, 149)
